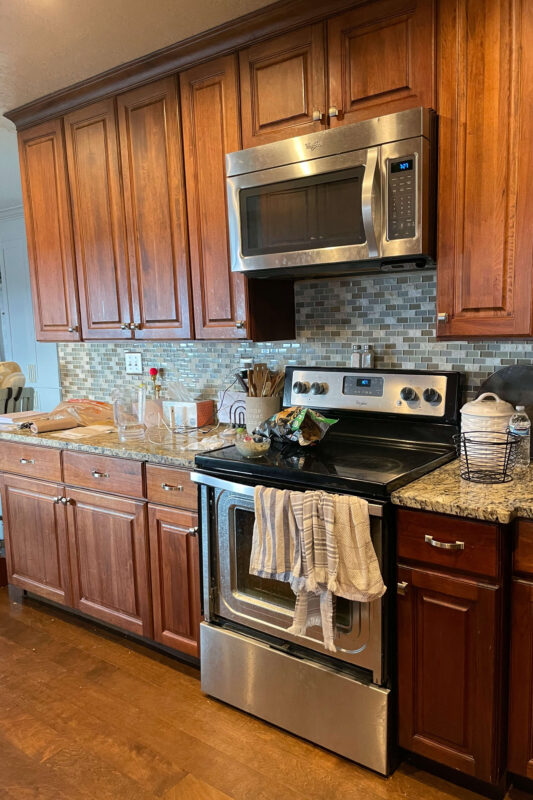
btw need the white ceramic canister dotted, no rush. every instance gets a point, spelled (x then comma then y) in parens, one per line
(487, 413)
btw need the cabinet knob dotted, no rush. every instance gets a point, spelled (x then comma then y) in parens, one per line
(124, 326)
(66, 501)
(134, 326)
(193, 531)
(442, 317)
(57, 500)
(169, 488)
(96, 474)
(402, 587)
(240, 324)
(317, 115)
(333, 111)
(72, 328)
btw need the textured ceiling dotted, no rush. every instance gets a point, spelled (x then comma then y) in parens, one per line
(49, 44)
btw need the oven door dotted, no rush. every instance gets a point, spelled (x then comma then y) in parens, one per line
(266, 605)
(317, 211)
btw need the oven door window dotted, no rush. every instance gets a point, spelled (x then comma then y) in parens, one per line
(303, 214)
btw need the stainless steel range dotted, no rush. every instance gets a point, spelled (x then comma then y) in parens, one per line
(393, 427)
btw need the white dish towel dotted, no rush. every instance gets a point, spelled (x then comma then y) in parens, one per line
(320, 543)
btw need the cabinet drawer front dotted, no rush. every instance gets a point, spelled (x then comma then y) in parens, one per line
(104, 473)
(30, 460)
(171, 487)
(523, 554)
(450, 542)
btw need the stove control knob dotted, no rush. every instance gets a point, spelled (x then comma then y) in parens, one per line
(408, 393)
(300, 387)
(431, 396)
(319, 388)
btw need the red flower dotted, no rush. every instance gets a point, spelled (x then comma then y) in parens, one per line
(153, 372)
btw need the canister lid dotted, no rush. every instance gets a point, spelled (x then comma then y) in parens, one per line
(488, 405)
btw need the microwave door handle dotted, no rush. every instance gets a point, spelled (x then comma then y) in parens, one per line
(368, 201)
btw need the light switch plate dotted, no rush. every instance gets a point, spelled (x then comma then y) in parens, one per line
(134, 363)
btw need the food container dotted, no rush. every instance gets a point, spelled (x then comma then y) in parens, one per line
(251, 446)
(258, 409)
(487, 413)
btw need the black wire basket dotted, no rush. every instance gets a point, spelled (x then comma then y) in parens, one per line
(486, 456)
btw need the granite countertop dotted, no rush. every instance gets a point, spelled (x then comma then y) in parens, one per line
(172, 453)
(445, 492)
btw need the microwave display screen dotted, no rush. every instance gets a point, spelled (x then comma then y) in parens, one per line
(307, 213)
(401, 166)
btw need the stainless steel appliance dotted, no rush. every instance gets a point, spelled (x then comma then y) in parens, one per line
(359, 198)
(393, 426)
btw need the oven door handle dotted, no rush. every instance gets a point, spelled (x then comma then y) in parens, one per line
(370, 202)
(374, 510)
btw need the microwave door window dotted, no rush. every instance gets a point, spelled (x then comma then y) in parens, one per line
(303, 213)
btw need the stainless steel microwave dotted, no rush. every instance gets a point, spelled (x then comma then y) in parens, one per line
(354, 199)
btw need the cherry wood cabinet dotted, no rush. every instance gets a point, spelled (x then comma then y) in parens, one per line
(154, 197)
(226, 304)
(49, 232)
(36, 537)
(485, 213)
(449, 671)
(381, 59)
(520, 753)
(175, 568)
(283, 86)
(108, 546)
(99, 225)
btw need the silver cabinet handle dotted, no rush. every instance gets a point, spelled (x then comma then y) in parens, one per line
(97, 474)
(240, 324)
(442, 317)
(402, 587)
(66, 501)
(27, 461)
(124, 326)
(169, 488)
(444, 545)
(193, 531)
(134, 326)
(57, 500)
(72, 328)
(333, 111)
(317, 115)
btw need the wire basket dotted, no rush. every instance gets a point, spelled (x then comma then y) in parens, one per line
(487, 456)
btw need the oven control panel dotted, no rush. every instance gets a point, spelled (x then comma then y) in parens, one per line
(394, 392)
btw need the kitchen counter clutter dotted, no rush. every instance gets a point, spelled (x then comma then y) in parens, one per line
(445, 492)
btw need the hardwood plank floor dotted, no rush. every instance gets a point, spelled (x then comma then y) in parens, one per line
(86, 714)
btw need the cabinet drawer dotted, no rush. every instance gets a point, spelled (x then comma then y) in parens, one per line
(523, 554)
(29, 460)
(479, 553)
(104, 473)
(171, 487)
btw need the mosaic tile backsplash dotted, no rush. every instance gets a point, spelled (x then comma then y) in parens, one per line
(393, 313)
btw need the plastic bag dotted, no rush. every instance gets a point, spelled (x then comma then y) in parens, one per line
(84, 412)
(303, 426)
(175, 390)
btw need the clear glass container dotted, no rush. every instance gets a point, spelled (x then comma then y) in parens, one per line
(129, 404)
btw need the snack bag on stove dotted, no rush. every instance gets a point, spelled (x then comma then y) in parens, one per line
(300, 425)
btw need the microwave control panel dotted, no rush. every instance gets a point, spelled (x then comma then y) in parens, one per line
(401, 201)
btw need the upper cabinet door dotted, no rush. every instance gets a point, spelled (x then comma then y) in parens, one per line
(210, 108)
(381, 59)
(154, 195)
(99, 229)
(485, 66)
(49, 233)
(283, 87)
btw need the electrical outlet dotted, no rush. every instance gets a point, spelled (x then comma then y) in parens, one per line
(134, 363)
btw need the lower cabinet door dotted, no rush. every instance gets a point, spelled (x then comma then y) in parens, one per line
(108, 545)
(175, 578)
(36, 537)
(449, 671)
(520, 755)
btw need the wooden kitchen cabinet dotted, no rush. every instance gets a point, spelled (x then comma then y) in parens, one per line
(520, 752)
(485, 213)
(175, 568)
(49, 232)
(36, 537)
(449, 671)
(283, 86)
(381, 59)
(156, 221)
(108, 545)
(99, 226)
(226, 304)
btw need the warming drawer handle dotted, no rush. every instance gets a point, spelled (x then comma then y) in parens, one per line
(27, 461)
(169, 488)
(443, 545)
(96, 474)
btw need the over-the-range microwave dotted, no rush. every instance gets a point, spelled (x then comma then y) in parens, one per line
(359, 198)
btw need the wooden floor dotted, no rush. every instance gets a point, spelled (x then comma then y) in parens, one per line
(87, 715)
